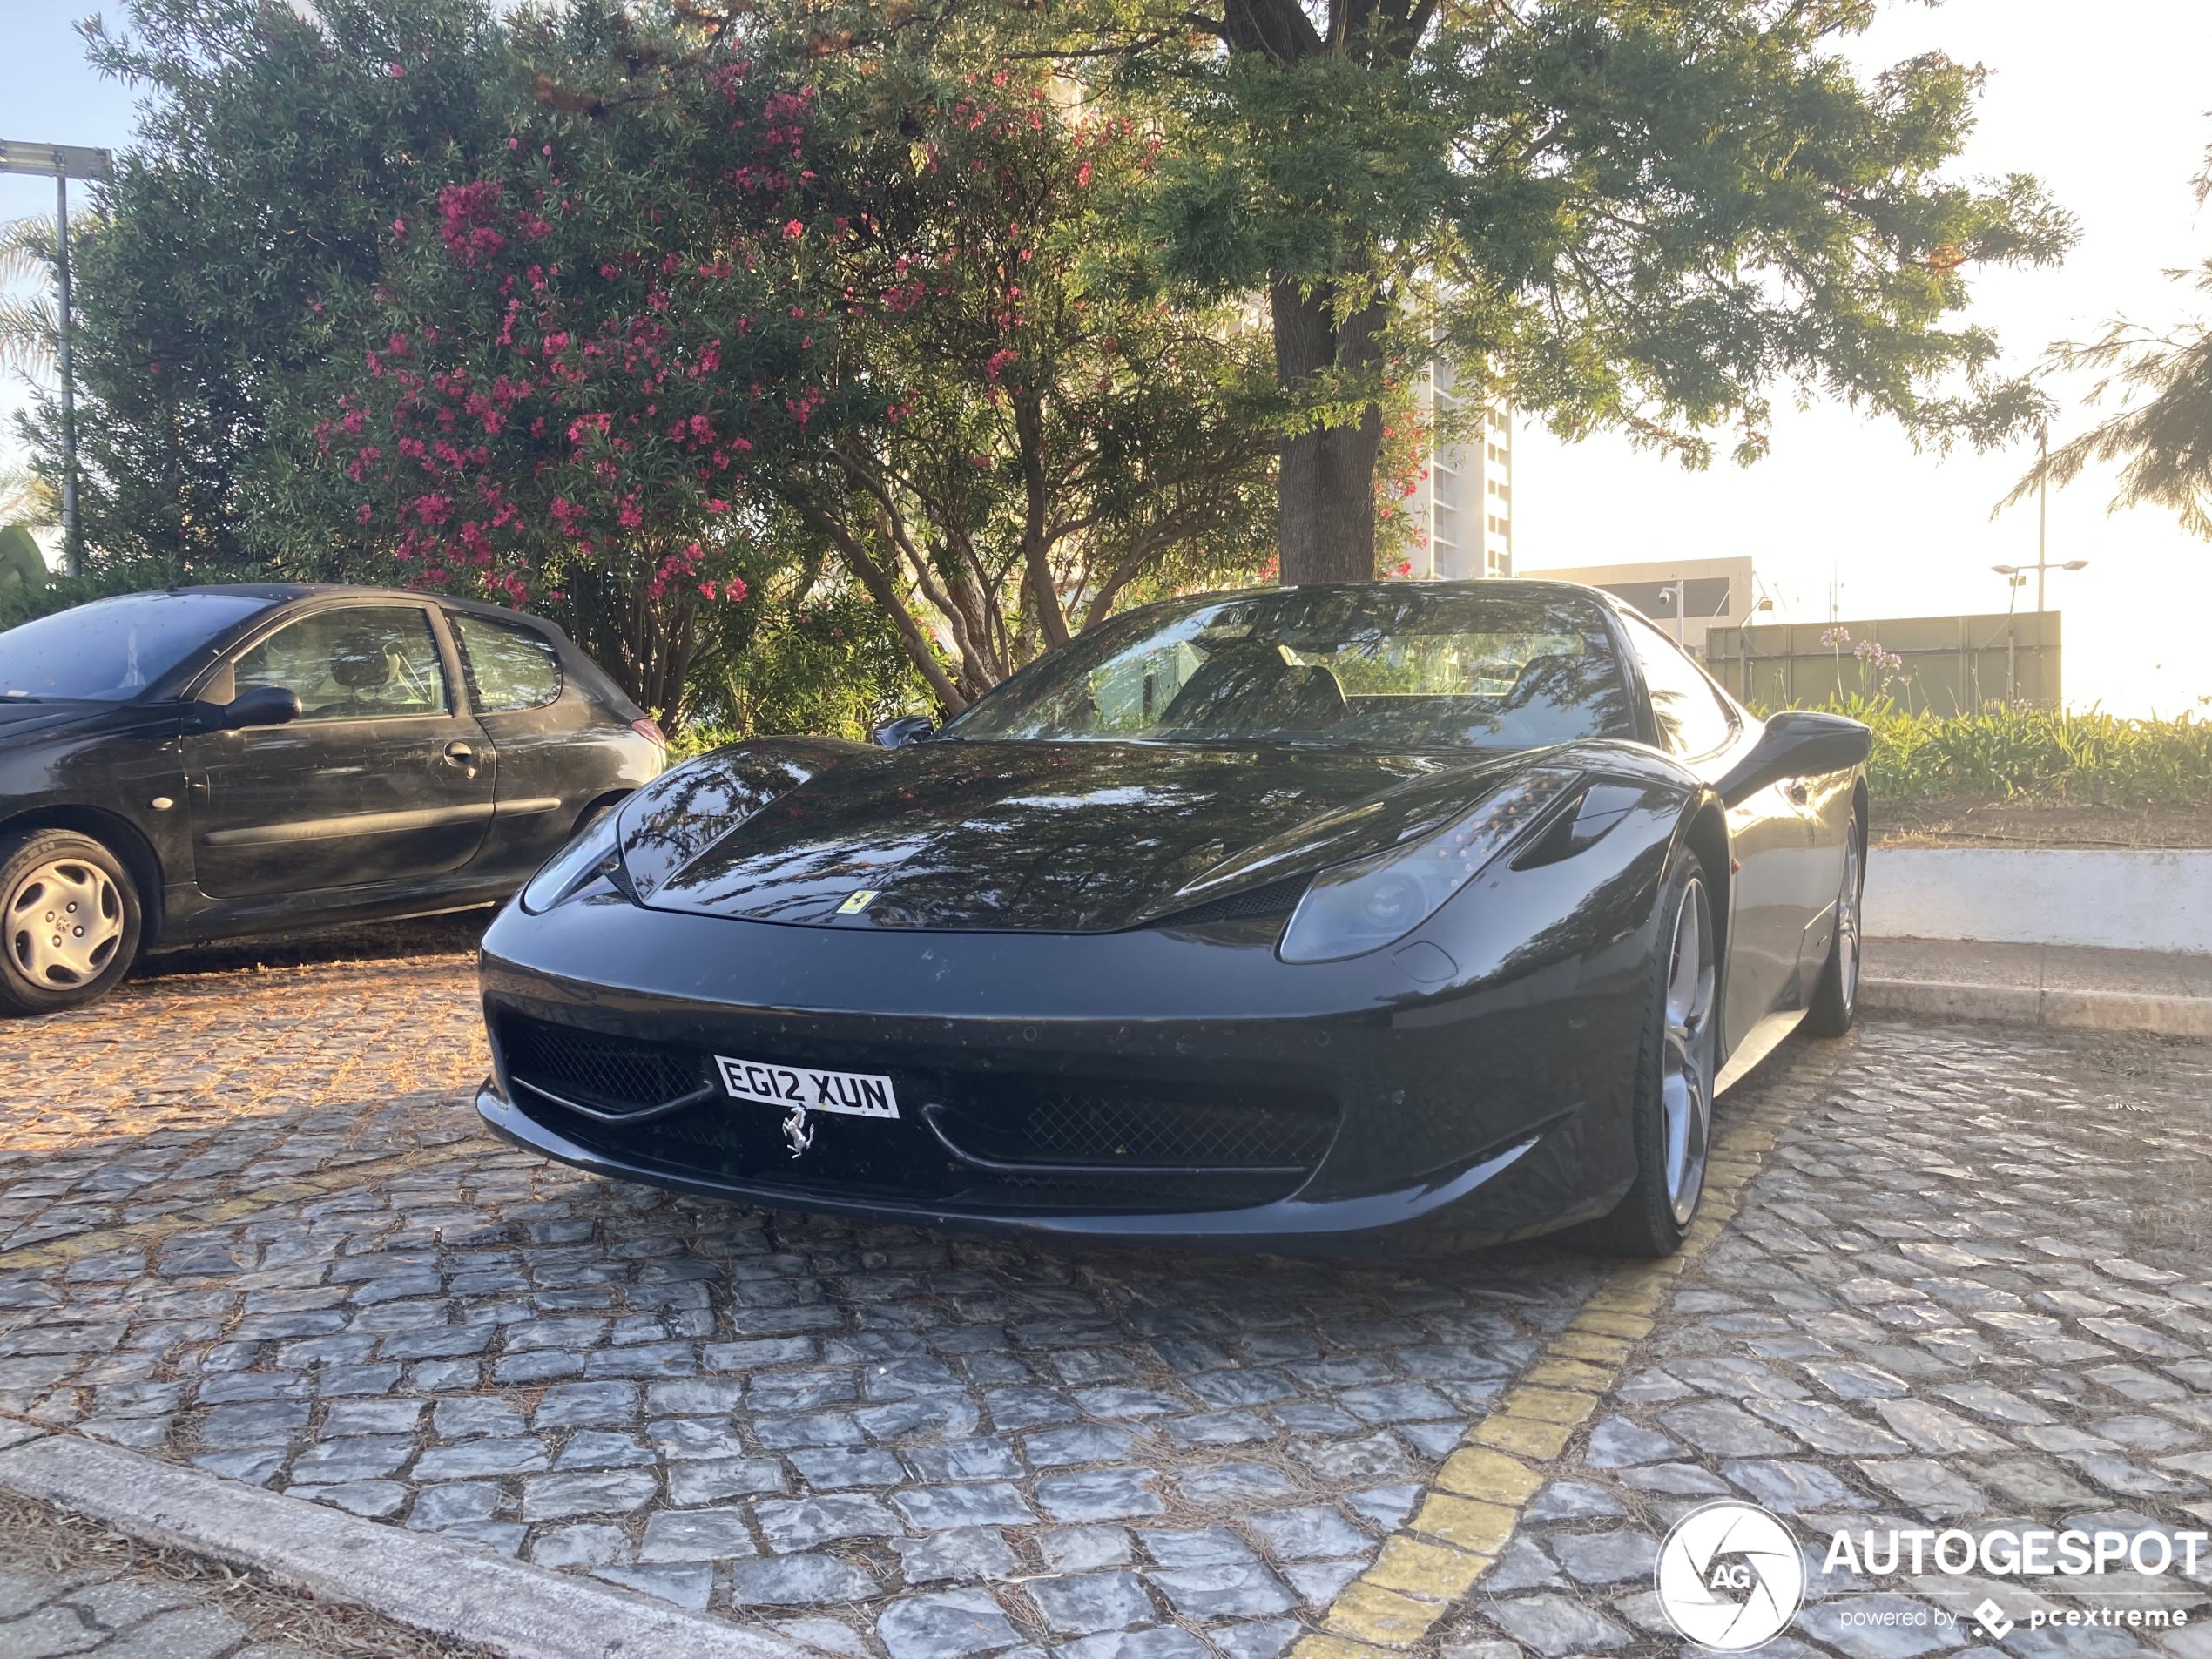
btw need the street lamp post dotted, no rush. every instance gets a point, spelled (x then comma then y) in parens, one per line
(61, 163)
(2019, 572)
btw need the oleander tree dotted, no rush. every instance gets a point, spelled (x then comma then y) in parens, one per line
(1065, 438)
(724, 302)
(1617, 213)
(576, 352)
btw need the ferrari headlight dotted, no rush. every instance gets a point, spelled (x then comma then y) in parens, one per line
(597, 850)
(1362, 906)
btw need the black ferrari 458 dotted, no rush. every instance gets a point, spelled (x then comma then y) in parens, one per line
(1316, 917)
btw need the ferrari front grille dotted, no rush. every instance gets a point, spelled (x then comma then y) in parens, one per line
(1102, 1131)
(606, 1076)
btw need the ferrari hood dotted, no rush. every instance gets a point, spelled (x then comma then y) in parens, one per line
(1017, 837)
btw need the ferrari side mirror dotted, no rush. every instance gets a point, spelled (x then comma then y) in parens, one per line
(896, 734)
(1797, 743)
(263, 705)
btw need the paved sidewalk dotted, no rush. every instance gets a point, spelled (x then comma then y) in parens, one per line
(2160, 992)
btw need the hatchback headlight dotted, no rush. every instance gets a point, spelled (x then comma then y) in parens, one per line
(598, 851)
(1370, 903)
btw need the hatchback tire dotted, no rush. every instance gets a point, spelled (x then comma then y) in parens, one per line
(70, 921)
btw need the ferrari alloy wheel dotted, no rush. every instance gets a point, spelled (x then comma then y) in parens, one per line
(1686, 1054)
(68, 921)
(1671, 1117)
(1835, 1001)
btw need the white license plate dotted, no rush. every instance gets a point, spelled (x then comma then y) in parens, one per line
(854, 1093)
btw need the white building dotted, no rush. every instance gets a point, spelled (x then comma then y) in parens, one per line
(1464, 506)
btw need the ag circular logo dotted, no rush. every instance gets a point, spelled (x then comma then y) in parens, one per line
(1730, 1577)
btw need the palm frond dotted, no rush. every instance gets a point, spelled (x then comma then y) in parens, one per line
(25, 498)
(26, 250)
(28, 329)
(2163, 430)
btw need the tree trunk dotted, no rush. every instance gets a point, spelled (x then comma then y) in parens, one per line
(1327, 479)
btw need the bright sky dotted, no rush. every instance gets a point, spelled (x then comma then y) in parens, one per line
(2108, 107)
(2109, 110)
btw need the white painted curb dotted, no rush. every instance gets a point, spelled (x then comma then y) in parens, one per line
(2151, 899)
(466, 1594)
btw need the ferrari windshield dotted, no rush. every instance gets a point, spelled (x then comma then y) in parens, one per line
(1388, 666)
(109, 651)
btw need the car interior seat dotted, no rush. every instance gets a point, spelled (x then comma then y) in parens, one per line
(1254, 687)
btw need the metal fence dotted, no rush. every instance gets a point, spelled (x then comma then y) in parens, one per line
(1952, 664)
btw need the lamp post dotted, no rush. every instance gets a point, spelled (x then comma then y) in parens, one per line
(61, 163)
(2039, 567)
(2042, 524)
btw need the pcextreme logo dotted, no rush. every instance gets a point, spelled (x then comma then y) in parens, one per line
(1730, 1577)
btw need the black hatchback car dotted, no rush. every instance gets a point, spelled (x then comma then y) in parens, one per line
(215, 762)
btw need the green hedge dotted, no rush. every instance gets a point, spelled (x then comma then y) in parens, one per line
(2008, 753)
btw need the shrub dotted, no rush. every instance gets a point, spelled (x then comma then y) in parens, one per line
(2003, 753)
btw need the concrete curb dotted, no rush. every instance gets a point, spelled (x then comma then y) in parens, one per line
(447, 1590)
(2172, 1017)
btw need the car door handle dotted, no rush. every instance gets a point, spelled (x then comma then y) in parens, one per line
(1798, 792)
(462, 757)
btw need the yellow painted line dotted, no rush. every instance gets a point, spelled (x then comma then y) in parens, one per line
(1475, 1503)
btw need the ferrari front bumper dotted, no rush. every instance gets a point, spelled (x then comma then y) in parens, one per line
(1490, 1105)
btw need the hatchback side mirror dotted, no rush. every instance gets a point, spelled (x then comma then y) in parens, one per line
(263, 705)
(1797, 743)
(896, 734)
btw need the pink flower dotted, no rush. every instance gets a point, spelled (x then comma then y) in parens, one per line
(794, 229)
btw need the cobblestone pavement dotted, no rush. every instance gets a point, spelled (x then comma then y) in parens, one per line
(251, 1224)
(1973, 1289)
(312, 1272)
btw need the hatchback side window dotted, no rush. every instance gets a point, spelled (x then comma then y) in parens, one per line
(361, 662)
(1692, 718)
(509, 666)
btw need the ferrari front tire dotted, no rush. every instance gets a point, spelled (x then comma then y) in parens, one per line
(1671, 1120)
(70, 921)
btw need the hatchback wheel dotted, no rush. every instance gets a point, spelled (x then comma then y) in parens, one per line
(70, 921)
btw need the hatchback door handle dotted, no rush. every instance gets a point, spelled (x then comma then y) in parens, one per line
(463, 757)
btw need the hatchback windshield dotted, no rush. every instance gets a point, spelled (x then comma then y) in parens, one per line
(109, 651)
(1390, 665)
